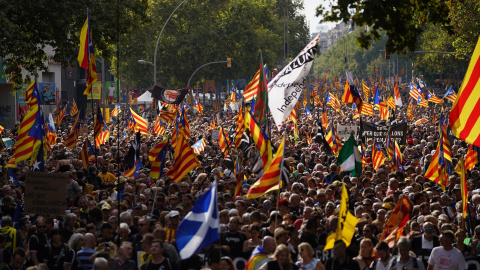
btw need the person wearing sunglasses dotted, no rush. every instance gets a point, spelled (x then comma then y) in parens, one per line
(38, 244)
(422, 245)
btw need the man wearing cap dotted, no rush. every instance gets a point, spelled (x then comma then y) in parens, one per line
(283, 207)
(171, 228)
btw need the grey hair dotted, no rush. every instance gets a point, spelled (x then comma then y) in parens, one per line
(404, 241)
(74, 239)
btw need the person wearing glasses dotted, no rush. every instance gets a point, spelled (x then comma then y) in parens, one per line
(422, 245)
(38, 244)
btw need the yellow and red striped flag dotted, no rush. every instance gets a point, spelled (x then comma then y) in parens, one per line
(223, 141)
(367, 109)
(377, 155)
(440, 166)
(60, 115)
(471, 159)
(317, 101)
(391, 103)
(72, 139)
(185, 159)
(103, 136)
(239, 176)
(240, 126)
(86, 154)
(414, 93)
(422, 102)
(396, 90)
(86, 55)
(156, 155)
(260, 138)
(116, 111)
(166, 116)
(141, 124)
(384, 112)
(212, 124)
(99, 123)
(410, 112)
(271, 178)
(74, 108)
(432, 98)
(25, 142)
(464, 116)
(158, 126)
(293, 117)
(252, 87)
(1, 129)
(366, 91)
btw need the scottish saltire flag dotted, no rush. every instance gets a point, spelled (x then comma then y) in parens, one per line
(12, 178)
(200, 227)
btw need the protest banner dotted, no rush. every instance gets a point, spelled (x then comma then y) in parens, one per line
(345, 131)
(45, 193)
(371, 131)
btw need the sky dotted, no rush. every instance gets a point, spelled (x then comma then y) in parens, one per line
(310, 8)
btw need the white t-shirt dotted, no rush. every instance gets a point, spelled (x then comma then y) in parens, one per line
(442, 259)
(111, 89)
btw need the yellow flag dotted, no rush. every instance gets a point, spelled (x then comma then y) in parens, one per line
(346, 223)
(460, 169)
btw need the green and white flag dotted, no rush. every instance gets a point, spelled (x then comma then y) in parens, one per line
(349, 157)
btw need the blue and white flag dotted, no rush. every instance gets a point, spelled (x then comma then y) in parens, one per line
(200, 227)
(12, 178)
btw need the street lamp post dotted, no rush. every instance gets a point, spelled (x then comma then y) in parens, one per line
(158, 41)
(190, 80)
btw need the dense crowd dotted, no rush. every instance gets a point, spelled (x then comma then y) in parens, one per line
(116, 222)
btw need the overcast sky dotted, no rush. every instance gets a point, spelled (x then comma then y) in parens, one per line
(310, 7)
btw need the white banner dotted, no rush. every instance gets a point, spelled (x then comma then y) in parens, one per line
(285, 89)
(345, 131)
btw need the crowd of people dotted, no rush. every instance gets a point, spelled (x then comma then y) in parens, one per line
(115, 222)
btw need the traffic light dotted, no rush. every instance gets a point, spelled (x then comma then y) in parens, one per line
(387, 53)
(229, 62)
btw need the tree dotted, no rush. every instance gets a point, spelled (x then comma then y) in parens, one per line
(205, 31)
(28, 27)
(403, 21)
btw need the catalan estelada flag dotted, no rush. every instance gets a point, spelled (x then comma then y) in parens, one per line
(261, 102)
(199, 146)
(366, 91)
(133, 172)
(158, 126)
(391, 103)
(116, 111)
(414, 91)
(102, 136)
(308, 114)
(271, 178)
(32, 95)
(351, 95)
(99, 123)
(422, 102)
(140, 123)
(260, 138)
(377, 155)
(432, 98)
(197, 105)
(185, 159)
(61, 115)
(167, 116)
(440, 166)
(450, 94)
(240, 126)
(86, 55)
(156, 155)
(464, 116)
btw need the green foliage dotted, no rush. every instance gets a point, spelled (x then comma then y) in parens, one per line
(27, 27)
(401, 20)
(206, 31)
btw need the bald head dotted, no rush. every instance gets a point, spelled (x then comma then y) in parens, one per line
(89, 240)
(269, 244)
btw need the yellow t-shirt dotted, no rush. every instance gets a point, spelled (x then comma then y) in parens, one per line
(107, 177)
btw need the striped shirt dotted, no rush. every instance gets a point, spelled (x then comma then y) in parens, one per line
(83, 256)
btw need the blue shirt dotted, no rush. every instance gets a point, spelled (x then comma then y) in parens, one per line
(83, 255)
